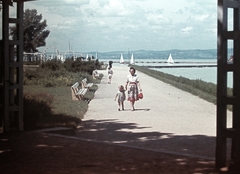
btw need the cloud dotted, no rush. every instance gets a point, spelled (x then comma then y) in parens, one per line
(73, 1)
(107, 25)
(186, 30)
(157, 19)
(201, 17)
(56, 3)
(115, 8)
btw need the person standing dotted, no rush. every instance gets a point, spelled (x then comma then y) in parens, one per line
(110, 73)
(133, 87)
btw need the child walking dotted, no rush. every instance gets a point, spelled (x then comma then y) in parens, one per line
(110, 73)
(120, 97)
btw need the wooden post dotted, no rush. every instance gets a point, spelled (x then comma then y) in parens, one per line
(1, 88)
(12, 74)
(223, 99)
(6, 80)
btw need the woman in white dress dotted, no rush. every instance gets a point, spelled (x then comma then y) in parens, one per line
(133, 87)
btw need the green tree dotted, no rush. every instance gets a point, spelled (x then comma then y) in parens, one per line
(33, 30)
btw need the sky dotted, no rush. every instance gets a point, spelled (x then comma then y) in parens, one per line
(118, 25)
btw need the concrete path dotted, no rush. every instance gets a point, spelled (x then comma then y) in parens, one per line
(166, 120)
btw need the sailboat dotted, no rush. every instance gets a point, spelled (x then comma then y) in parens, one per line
(96, 56)
(132, 62)
(86, 57)
(170, 59)
(121, 59)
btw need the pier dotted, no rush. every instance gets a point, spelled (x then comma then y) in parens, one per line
(179, 64)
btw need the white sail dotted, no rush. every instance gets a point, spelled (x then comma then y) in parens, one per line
(132, 60)
(86, 57)
(121, 59)
(170, 59)
(62, 58)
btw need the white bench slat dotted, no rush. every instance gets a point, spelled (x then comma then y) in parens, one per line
(85, 84)
(82, 91)
(78, 93)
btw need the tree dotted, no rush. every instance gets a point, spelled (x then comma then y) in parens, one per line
(33, 30)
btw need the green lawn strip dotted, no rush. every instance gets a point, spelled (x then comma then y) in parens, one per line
(63, 110)
(48, 96)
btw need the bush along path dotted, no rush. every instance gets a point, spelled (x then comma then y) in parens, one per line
(47, 96)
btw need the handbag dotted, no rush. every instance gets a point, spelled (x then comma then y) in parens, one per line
(140, 95)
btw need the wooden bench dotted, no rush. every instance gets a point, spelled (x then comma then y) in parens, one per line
(77, 92)
(85, 84)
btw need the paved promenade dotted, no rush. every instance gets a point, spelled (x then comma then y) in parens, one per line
(171, 131)
(165, 120)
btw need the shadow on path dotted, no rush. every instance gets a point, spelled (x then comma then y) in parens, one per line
(25, 153)
(131, 135)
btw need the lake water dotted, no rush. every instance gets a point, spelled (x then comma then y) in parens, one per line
(207, 74)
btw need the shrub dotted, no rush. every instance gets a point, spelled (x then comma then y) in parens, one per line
(93, 88)
(88, 96)
(54, 73)
(53, 65)
(48, 78)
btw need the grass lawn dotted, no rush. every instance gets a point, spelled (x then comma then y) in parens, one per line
(52, 106)
(48, 96)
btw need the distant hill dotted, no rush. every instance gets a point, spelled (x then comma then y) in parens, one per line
(149, 54)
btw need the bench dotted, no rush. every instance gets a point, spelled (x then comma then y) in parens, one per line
(78, 93)
(85, 84)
